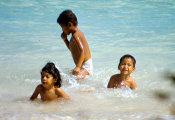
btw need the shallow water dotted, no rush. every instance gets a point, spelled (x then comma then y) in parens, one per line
(30, 37)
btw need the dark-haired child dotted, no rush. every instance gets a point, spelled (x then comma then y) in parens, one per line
(126, 67)
(49, 89)
(77, 45)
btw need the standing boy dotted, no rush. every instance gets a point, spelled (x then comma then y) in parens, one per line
(126, 67)
(77, 45)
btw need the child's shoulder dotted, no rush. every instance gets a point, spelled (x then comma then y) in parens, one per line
(132, 82)
(78, 33)
(58, 89)
(131, 79)
(115, 76)
(112, 80)
(40, 87)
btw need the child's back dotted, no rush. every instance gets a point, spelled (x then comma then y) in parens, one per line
(78, 45)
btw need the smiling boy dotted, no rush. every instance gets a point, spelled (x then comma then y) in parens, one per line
(126, 67)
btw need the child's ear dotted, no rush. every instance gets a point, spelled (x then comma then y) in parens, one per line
(69, 24)
(55, 80)
(133, 69)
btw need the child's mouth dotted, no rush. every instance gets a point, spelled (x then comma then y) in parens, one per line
(43, 82)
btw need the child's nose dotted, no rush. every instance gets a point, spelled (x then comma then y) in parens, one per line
(44, 78)
(126, 66)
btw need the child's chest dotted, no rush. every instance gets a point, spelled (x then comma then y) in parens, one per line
(119, 84)
(48, 95)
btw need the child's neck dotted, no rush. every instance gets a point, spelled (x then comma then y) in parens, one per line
(48, 88)
(124, 77)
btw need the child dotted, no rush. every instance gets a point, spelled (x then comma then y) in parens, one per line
(126, 67)
(49, 89)
(77, 44)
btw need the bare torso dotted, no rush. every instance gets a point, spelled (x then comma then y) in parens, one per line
(75, 49)
(48, 95)
(117, 82)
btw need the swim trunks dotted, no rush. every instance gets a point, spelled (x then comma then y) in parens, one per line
(88, 66)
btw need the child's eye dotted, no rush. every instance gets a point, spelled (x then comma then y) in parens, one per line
(129, 64)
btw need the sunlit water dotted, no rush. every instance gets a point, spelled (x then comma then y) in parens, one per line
(30, 37)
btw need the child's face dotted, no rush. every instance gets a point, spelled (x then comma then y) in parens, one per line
(126, 66)
(65, 29)
(47, 80)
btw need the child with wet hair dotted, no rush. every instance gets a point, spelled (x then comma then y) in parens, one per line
(77, 45)
(126, 67)
(49, 89)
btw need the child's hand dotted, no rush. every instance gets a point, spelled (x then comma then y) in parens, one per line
(64, 36)
(88, 89)
(76, 71)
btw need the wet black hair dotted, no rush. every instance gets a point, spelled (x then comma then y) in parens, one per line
(67, 16)
(128, 56)
(51, 69)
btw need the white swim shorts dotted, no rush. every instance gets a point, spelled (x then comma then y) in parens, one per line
(88, 66)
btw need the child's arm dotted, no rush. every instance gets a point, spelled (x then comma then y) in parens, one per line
(64, 37)
(133, 84)
(61, 93)
(88, 89)
(81, 59)
(36, 92)
(111, 82)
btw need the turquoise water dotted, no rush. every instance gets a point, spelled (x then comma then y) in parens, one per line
(30, 37)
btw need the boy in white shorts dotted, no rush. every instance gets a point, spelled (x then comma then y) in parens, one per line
(77, 45)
